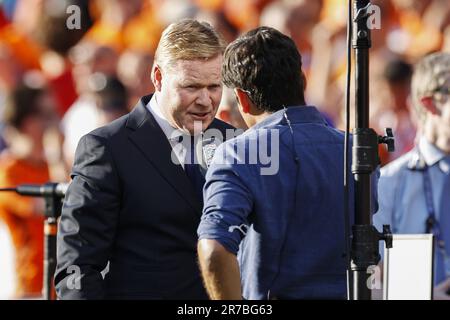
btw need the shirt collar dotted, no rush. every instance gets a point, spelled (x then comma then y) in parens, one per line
(432, 155)
(172, 134)
(295, 114)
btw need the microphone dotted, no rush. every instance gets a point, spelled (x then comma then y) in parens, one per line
(49, 189)
(362, 3)
(53, 193)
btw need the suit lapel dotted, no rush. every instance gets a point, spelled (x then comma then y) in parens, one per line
(147, 136)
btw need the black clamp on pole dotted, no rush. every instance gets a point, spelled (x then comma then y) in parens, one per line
(365, 252)
(388, 140)
(365, 237)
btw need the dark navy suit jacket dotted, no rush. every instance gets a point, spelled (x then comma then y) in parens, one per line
(129, 204)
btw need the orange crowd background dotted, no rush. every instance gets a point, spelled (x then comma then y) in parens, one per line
(58, 82)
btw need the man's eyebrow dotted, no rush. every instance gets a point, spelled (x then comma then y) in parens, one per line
(190, 83)
(199, 83)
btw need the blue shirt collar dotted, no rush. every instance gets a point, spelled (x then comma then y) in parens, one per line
(297, 114)
(432, 155)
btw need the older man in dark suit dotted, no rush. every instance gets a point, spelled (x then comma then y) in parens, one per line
(134, 200)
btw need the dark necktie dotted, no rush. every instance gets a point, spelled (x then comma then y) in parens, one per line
(192, 169)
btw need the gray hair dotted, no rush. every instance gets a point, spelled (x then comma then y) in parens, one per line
(430, 73)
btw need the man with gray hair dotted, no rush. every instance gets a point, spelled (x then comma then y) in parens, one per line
(414, 190)
(134, 199)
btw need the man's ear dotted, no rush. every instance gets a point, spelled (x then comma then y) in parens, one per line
(156, 77)
(224, 115)
(429, 104)
(243, 99)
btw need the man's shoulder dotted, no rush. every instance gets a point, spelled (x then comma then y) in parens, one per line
(111, 130)
(220, 125)
(238, 146)
(398, 166)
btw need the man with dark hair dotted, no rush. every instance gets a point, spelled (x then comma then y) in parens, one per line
(246, 69)
(283, 214)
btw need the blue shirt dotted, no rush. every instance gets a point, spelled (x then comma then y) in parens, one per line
(402, 201)
(286, 225)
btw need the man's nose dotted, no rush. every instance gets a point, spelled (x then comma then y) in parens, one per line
(204, 97)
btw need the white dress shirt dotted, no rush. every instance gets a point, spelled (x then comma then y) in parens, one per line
(175, 136)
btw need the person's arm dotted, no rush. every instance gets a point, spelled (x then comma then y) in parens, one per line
(220, 271)
(227, 204)
(88, 223)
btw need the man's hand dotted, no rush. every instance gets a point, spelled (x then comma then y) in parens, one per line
(440, 291)
(220, 271)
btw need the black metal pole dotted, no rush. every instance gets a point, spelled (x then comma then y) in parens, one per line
(364, 159)
(53, 193)
(49, 258)
(53, 206)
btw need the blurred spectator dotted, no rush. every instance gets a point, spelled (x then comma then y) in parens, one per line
(28, 114)
(417, 34)
(395, 113)
(228, 110)
(88, 58)
(52, 30)
(125, 24)
(54, 35)
(133, 70)
(446, 44)
(244, 14)
(10, 69)
(304, 15)
(414, 189)
(219, 22)
(327, 60)
(8, 275)
(106, 101)
(398, 74)
(275, 15)
(21, 47)
(170, 11)
(295, 18)
(214, 5)
(111, 100)
(91, 62)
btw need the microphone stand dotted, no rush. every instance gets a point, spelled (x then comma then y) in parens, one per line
(365, 160)
(53, 194)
